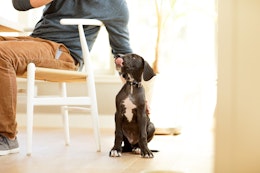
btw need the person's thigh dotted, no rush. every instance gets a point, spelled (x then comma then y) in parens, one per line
(20, 51)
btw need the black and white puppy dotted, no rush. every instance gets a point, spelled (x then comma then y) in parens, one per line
(132, 123)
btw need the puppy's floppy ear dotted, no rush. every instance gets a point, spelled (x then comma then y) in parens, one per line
(148, 72)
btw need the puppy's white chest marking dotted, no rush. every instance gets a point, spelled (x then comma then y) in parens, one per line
(129, 106)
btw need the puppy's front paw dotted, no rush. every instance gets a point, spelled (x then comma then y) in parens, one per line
(115, 153)
(147, 154)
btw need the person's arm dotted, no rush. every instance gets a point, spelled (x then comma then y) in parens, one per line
(23, 5)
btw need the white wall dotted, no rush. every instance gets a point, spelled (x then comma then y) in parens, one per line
(238, 113)
(7, 11)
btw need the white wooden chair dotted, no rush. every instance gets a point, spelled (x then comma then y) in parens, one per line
(62, 77)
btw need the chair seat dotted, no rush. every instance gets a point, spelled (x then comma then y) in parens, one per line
(57, 75)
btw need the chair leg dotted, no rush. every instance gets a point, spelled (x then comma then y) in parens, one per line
(90, 85)
(30, 105)
(94, 114)
(65, 114)
(94, 111)
(65, 119)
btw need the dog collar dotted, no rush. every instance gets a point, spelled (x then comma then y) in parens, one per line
(135, 84)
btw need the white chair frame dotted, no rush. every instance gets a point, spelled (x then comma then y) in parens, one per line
(88, 102)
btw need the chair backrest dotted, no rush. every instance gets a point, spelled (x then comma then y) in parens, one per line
(85, 50)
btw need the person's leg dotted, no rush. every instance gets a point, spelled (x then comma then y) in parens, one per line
(15, 54)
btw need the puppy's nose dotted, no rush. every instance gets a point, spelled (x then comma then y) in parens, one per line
(119, 61)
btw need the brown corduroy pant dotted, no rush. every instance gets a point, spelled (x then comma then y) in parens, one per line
(15, 54)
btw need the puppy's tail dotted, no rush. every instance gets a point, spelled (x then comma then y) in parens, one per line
(155, 151)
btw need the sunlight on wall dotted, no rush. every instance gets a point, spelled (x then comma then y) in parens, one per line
(184, 91)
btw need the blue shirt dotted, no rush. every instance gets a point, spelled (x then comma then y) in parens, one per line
(113, 13)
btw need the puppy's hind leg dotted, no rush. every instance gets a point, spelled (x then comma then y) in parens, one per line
(150, 131)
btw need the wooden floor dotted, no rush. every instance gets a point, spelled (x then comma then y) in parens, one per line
(190, 152)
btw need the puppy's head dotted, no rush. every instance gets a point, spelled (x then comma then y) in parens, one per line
(133, 66)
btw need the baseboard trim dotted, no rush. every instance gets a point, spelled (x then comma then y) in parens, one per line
(75, 120)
